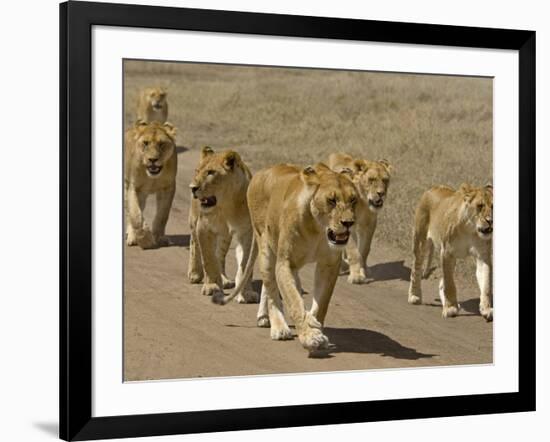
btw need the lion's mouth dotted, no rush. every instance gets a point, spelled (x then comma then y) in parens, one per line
(338, 238)
(157, 106)
(153, 169)
(209, 201)
(485, 230)
(376, 204)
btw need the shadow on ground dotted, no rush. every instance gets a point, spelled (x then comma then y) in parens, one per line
(389, 270)
(179, 240)
(356, 340)
(181, 149)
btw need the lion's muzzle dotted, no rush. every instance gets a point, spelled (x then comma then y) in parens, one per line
(153, 169)
(338, 239)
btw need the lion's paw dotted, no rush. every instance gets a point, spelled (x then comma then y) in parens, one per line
(415, 299)
(263, 321)
(145, 239)
(131, 239)
(450, 312)
(487, 313)
(227, 283)
(281, 334)
(210, 290)
(313, 339)
(194, 277)
(357, 278)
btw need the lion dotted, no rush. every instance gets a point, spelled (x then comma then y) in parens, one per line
(150, 168)
(372, 179)
(152, 105)
(218, 213)
(460, 223)
(300, 215)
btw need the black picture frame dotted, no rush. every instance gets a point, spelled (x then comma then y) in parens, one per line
(76, 21)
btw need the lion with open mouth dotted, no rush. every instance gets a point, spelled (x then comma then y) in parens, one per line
(460, 223)
(150, 168)
(300, 215)
(372, 179)
(218, 213)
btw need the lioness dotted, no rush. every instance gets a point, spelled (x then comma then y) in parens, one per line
(150, 168)
(219, 212)
(152, 105)
(371, 178)
(299, 216)
(460, 223)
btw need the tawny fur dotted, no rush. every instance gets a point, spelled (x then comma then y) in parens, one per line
(372, 179)
(153, 105)
(294, 212)
(149, 145)
(459, 223)
(225, 177)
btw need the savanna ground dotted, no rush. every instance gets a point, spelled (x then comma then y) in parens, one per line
(433, 129)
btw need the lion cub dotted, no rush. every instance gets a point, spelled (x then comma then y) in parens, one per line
(150, 168)
(300, 215)
(460, 223)
(218, 213)
(372, 179)
(152, 105)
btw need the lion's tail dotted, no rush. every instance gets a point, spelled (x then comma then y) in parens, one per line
(222, 300)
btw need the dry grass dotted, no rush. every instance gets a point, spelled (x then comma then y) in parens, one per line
(433, 129)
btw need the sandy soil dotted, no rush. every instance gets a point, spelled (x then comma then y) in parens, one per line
(171, 331)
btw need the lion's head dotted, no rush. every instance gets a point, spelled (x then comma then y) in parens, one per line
(478, 208)
(372, 179)
(217, 177)
(333, 202)
(156, 144)
(156, 97)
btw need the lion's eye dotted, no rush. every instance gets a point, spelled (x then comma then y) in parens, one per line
(480, 207)
(332, 201)
(353, 201)
(210, 172)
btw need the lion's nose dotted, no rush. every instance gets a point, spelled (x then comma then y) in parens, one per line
(153, 160)
(193, 188)
(381, 193)
(489, 221)
(347, 223)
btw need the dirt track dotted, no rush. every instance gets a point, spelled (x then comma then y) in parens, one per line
(171, 331)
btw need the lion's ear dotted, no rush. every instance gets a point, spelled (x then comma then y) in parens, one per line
(230, 159)
(360, 165)
(170, 129)
(467, 192)
(206, 150)
(309, 176)
(346, 171)
(489, 186)
(387, 165)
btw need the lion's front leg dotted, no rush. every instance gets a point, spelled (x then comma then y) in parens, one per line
(307, 326)
(164, 204)
(136, 231)
(194, 269)
(357, 274)
(213, 284)
(224, 242)
(447, 288)
(244, 245)
(364, 235)
(326, 274)
(484, 275)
